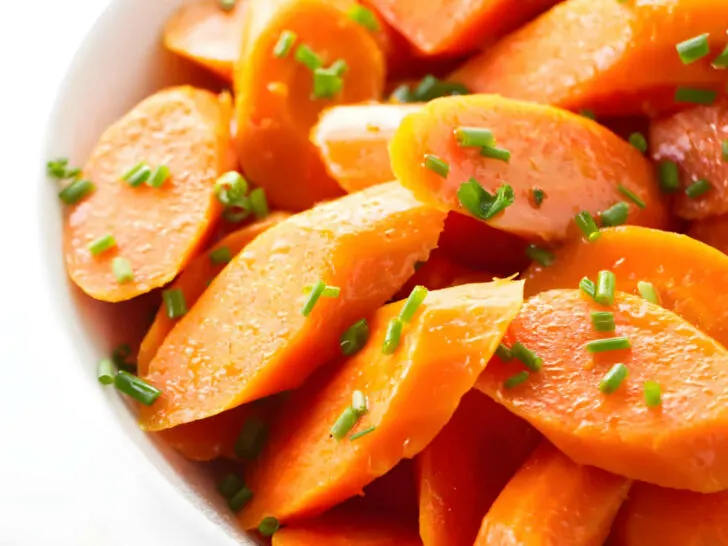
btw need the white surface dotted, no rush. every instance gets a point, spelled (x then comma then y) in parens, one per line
(73, 471)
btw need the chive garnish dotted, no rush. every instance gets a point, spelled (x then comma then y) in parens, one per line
(137, 175)
(251, 439)
(503, 352)
(538, 196)
(501, 154)
(402, 94)
(430, 88)
(316, 291)
(668, 175)
(227, 5)
(475, 137)
(437, 165)
(653, 394)
(587, 286)
(175, 303)
(481, 203)
(121, 268)
(259, 203)
(648, 292)
(608, 344)
(136, 388)
(365, 17)
(698, 188)
(101, 244)
(106, 371)
(585, 222)
(392, 336)
(344, 423)
(724, 149)
(238, 211)
(721, 61)
(606, 282)
(359, 403)
(240, 499)
(629, 194)
(603, 321)
(529, 359)
(639, 141)
(693, 49)
(362, 433)
(221, 255)
(120, 356)
(308, 57)
(284, 44)
(158, 177)
(327, 82)
(415, 299)
(541, 255)
(587, 113)
(56, 168)
(76, 191)
(229, 485)
(616, 215)
(268, 526)
(613, 379)
(515, 380)
(230, 188)
(354, 338)
(696, 96)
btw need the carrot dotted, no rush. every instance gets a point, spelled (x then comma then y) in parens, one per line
(694, 140)
(712, 231)
(195, 279)
(576, 162)
(465, 467)
(246, 336)
(671, 518)
(553, 500)
(395, 493)
(207, 35)
(276, 107)
(158, 131)
(411, 396)
(353, 141)
(560, 58)
(683, 271)
(618, 432)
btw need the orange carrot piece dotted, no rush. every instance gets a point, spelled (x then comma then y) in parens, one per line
(712, 231)
(618, 432)
(694, 140)
(195, 279)
(464, 469)
(160, 130)
(553, 500)
(411, 394)
(246, 337)
(683, 271)
(354, 142)
(669, 517)
(207, 35)
(395, 493)
(275, 107)
(577, 162)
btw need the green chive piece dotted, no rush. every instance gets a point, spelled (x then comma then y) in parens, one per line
(695, 96)
(221, 255)
(339, 67)
(437, 165)
(102, 244)
(481, 203)
(608, 344)
(476, 137)
(629, 194)
(647, 291)
(158, 177)
(529, 359)
(613, 379)
(251, 439)
(106, 371)
(237, 212)
(587, 286)
(513, 381)
(393, 335)
(121, 354)
(175, 303)
(430, 88)
(415, 299)
(240, 499)
(639, 141)
(698, 188)
(259, 203)
(362, 433)
(56, 168)
(327, 83)
(268, 526)
(616, 215)
(76, 191)
(603, 321)
(504, 353)
(331, 292)
(308, 57)
(587, 113)
(501, 154)
(668, 176)
(365, 17)
(137, 175)
(541, 255)
(229, 485)
(344, 423)
(538, 196)
(317, 291)
(693, 49)
(402, 94)
(227, 5)
(724, 149)
(355, 337)
(284, 44)
(721, 61)
(359, 403)
(121, 267)
(606, 282)
(137, 388)
(585, 222)
(230, 188)
(653, 394)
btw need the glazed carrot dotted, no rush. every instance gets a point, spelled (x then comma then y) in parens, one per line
(411, 395)
(553, 500)
(576, 162)
(464, 469)
(619, 432)
(560, 58)
(195, 279)
(395, 493)
(694, 139)
(207, 35)
(683, 271)
(276, 105)
(246, 337)
(353, 141)
(712, 231)
(140, 218)
(671, 518)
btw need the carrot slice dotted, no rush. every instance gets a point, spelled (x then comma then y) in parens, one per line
(354, 142)
(276, 108)
(395, 493)
(195, 279)
(694, 140)
(411, 396)
(618, 432)
(576, 162)
(683, 271)
(246, 336)
(553, 500)
(464, 469)
(712, 231)
(671, 518)
(560, 58)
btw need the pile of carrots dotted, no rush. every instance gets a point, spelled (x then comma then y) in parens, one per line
(439, 273)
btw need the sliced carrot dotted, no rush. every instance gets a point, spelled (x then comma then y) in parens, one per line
(553, 500)
(246, 336)
(276, 108)
(694, 140)
(560, 58)
(395, 493)
(464, 469)
(195, 279)
(411, 394)
(160, 130)
(618, 432)
(683, 271)
(576, 162)
(669, 517)
(712, 231)
(354, 142)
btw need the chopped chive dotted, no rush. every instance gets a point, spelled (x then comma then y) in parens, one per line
(603, 321)
(504, 353)
(541, 255)
(616, 215)
(613, 379)
(393, 335)
(339, 67)
(327, 83)
(121, 354)
(402, 94)
(175, 303)
(240, 499)
(137, 388)
(515, 380)
(284, 44)
(698, 188)
(137, 175)
(606, 282)
(648, 292)
(529, 359)
(106, 371)
(585, 222)
(362, 433)
(229, 485)
(587, 113)
(221, 255)
(365, 17)
(308, 57)
(331, 292)
(430, 88)
(158, 177)
(608, 344)
(56, 168)
(121, 267)
(724, 149)
(695, 96)
(251, 439)
(669, 178)
(629, 194)
(501, 154)
(227, 5)
(259, 203)
(237, 212)
(693, 49)
(481, 203)
(76, 191)
(538, 196)
(359, 403)
(344, 423)
(474, 137)
(268, 526)
(415, 299)
(317, 291)
(653, 394)
(437, 165)
(639, 141)
(230, 188)
(102, 244)
(587, 286)
(355, 337)
(721, 61)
